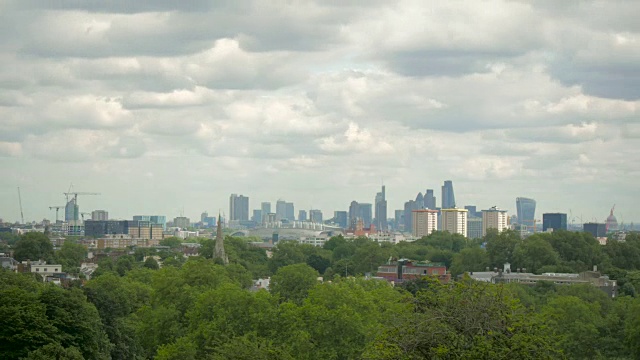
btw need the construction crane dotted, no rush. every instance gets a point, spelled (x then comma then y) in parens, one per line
(83, 214)
(75, 195)
(20, 201)
(57, 210)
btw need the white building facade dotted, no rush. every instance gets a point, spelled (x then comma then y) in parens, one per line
(494, 218)
(425, 222)
(454, 221)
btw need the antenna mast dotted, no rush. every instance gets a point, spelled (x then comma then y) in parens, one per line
(20, 201)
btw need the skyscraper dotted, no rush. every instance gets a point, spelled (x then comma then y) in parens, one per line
(430, 200)
(99, 215)
(409, 206)
(419, 202)
(454, 221)
(366, 214)
(381, 210)
(448, 198)
(238, 207)
(341, 218)
(71, 211)
(315, 216)
(257, 216)
(354, 214)
(302, 215)
(281, 210)
(554, 221)
(289, 211)
(266, 208)
(526, 211)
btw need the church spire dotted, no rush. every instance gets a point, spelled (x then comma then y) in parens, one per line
(219, 248)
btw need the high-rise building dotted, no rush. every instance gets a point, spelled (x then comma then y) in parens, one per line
(281, 210)
(474, 227)
(448, 198)
(430, 200)
(454, 221)
(419, 202)
(366, 214)
(399, 219)
(473, 212)
(354, 214)
(381, 210)
(494, 218)
(238, 207)
(71, 211)
(100, 228)
(181, 222)
(266, 209)
(257, 216)
(315, 216)
(155, 219)
(145, 230)
(409, 206)
(302, 215)
(598, 230)
(526, 211)
(556, 221)
(99, 215)
(290, 211)
(341, 218)
(424, 222)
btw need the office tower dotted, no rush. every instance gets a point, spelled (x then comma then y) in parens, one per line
(341, 218)
(424, 222)
(448, 198)
(271, 218)
(555, 221)
(181, 222)
(526, 211)
(474, 227)
(315, 216)
(354, 214)
(155, 219)
(381, 210)
(454, 221)
(399, 219)
(99, 215)
(238, 207)
(71, 211)
(100, 228)
(281, 210)
(302, 215)
(257, 216)
(409, 206)
(419, 202)
(473, 212)
(266, 209)
(598, 230)
(494, 218)
(144, 230)
(366, 214)
(289, 211)
(430, 200)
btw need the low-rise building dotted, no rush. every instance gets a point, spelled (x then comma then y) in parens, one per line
(404, 270)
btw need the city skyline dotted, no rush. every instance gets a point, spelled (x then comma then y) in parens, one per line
(169, 107)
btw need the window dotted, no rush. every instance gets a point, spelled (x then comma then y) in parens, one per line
(55, 270)
(37, 269)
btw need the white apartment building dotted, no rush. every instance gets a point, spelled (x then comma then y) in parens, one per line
(425, 222)
(494, 218)
(454, 221)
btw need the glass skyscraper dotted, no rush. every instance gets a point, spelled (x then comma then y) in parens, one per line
(526, 210)
(448, 198)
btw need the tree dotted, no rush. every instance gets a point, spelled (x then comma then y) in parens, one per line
(469, 259)
(286, 253)
(534, 253)
(33, 246)
(151, 263)
(55, 351)
(172, 242)
(500, 246)
(293, 282)
(71, 256)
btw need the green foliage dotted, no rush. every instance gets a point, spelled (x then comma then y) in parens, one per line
(500, 246)
(33, 246)
(293, 282)
(172, 242)
(534, 253)
(151, 263)
(469, 259)
(55, 351)
(71, 256)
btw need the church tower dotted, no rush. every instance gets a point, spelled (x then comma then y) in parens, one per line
(219, 249)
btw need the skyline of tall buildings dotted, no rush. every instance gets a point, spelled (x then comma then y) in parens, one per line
(381, 210)
(526, 211)
(238, 207)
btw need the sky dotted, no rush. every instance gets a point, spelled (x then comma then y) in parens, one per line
(168, 107)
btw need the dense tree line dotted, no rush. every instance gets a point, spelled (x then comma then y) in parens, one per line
(198, 308)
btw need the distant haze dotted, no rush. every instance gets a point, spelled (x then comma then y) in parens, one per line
(166, 105)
